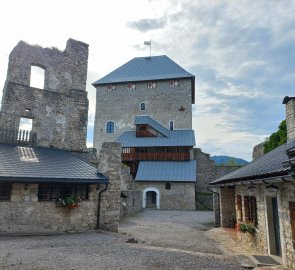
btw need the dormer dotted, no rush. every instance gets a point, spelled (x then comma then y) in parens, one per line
(148, 127)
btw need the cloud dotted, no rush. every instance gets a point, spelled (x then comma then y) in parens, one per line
(145, 25)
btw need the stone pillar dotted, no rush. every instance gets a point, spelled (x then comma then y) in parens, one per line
(109, 164)
(216, 208)
(227, 207)
(290, 116)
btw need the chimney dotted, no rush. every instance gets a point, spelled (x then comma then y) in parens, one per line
(290, 116)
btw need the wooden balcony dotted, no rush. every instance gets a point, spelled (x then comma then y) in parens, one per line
(19, 137)
(165, 156)
(144, 133)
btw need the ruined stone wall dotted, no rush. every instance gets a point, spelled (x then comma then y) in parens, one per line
(207, 171)
(24, 214)
(257, 151)
(181, 196)
(132, 203)
(109, 164)
(60, 110)
(122, 106)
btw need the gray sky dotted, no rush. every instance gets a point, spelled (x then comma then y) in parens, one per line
(241, 52)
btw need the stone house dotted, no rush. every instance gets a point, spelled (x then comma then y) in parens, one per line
(145, 105)
(262, 193)
(43, 179)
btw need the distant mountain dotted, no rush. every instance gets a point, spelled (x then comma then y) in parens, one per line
(226, 160)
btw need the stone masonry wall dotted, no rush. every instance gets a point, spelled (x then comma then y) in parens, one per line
(122, 106)
(257, 151)
(132, 203)
(109, 164)
(207, 171)
(290, 118)
(181, 196)
(24, 214)
(60, 110)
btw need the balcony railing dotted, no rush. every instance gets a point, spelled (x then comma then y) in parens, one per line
(165, 156)
(12, 136)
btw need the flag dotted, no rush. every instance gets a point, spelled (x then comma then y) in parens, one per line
(147, 43)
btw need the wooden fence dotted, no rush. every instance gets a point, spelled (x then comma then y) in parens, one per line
(20, 136)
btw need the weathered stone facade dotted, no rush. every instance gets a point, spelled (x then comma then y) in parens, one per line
(109, 163)
(207, 171)
(121, 106)
(257, 151)
(24, 214)
(60, 110)
(131, 203)
(181, 196)
(290, 119)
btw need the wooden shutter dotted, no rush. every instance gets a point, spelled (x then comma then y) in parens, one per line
(239, 207)
(292, 218)
(246, 208)
(253, 212)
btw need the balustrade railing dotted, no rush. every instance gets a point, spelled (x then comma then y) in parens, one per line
(165, 156)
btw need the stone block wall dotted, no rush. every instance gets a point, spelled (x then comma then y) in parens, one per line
(109, 164)
(60, 110)
(24, 214)
(181, 196)
(290, 118)
(132, 203)
(122, 106)
(257, 151)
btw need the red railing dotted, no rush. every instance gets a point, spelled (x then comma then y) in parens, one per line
(169, 156)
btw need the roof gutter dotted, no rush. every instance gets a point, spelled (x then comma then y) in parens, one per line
(266, 181)
(98, 206)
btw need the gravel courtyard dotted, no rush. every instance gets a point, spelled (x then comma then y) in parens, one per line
(149, 240)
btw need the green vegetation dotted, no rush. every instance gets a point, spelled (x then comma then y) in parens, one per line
(276, 139)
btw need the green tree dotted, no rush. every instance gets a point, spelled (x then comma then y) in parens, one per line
(276, 139)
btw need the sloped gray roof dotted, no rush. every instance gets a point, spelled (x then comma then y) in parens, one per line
(144, 69)
(175, 138)
(268, 165)
(146, 120)
(32, 164)
(172, 171)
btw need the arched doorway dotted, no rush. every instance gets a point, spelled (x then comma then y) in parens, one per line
(151, 198)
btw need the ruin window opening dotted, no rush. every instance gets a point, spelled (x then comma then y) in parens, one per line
(37, 79)
(25, 129)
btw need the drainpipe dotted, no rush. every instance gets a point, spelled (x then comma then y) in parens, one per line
(98, 206)
(217, 222)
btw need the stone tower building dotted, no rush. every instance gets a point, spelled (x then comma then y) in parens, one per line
(59, 111)
(146, 106)
(154, 86)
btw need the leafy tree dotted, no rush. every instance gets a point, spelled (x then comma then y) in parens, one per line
(276, 139)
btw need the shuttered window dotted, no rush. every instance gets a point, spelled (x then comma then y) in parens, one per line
(250, 209)
(246, 208)
(239, 207)
(5, 192)
(292, 219)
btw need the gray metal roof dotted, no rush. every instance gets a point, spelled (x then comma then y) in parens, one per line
(146, 120)
(268, 165)
(144, 69)
(172, 171)
(32, 164)
(175, 138)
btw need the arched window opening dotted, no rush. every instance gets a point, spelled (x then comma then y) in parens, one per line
(37, 77)
(110, 127)
(142, 106)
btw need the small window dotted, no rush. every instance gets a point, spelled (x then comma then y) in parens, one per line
(173, 83)
(48, 192)
(167, 186)
(142, 106)
(151, 85)
(110, 127)
(5, 192)
(37, 77)
(171, 125)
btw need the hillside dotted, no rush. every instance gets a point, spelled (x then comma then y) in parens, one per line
(226, 160)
